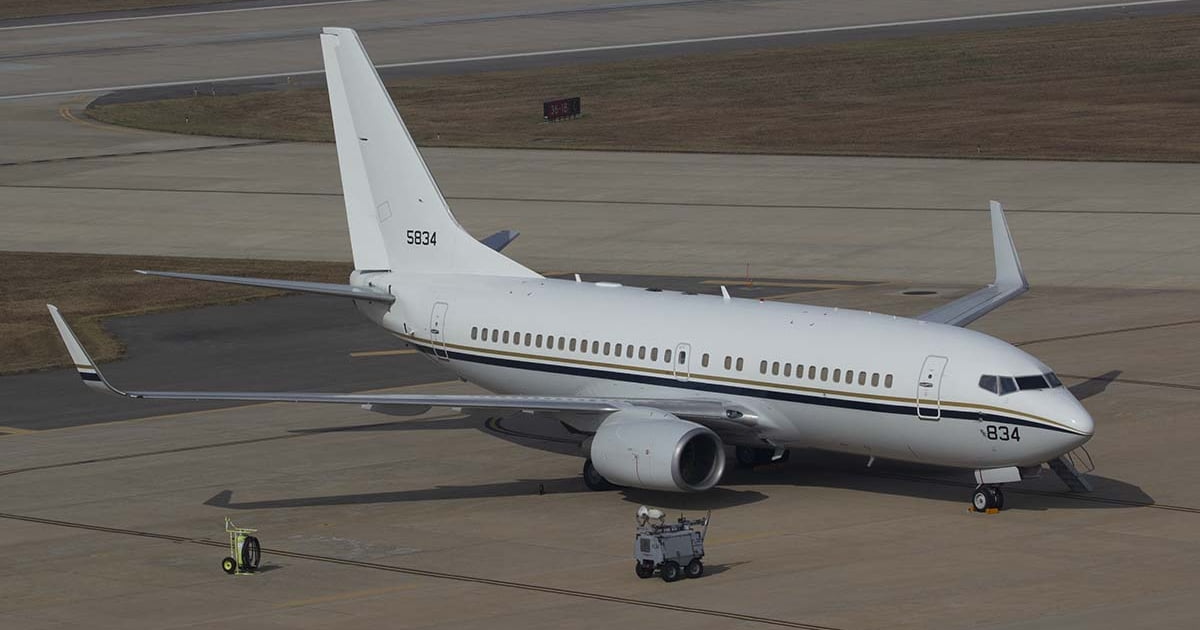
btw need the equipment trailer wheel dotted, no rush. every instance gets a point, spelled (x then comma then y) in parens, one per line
(229, 566)
(593, 479)
(694, 569)
(251, 553)
(671, 571)
(644, 570)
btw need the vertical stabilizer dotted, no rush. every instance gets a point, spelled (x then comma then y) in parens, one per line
(397, 216)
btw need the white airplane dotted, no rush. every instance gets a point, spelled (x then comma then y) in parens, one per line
(662, 381)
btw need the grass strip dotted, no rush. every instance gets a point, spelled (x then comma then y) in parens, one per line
(1120, 89)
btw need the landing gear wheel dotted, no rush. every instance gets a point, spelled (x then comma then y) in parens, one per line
(593, 479)
(694, 569)
(671, 571)
(985, 498)
(229, 566)
(644, 570)
(999, 498)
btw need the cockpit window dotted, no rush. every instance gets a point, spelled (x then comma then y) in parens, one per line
(1006, 384)
(1036, 381)
(1052, 378)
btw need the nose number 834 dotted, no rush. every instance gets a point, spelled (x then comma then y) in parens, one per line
(420, 237)
(1001, 432)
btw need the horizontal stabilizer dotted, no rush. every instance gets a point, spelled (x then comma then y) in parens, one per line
(320, 288)
(1010, 280)
(501, 239)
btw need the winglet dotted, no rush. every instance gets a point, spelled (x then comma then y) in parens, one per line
(1009, 274)
(83, 363)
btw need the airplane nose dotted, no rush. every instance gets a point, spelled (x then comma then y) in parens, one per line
(1078, 417)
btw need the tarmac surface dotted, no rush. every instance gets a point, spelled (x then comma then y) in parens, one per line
(112, 516)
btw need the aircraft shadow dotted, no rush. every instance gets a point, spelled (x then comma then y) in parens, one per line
(713, 499)
(1095, 385)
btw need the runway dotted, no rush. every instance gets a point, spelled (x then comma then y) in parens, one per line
(113, 509)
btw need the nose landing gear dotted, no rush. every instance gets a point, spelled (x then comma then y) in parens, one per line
(987, 499)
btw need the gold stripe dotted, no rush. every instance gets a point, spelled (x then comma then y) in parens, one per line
(381, 353)
(710, 377)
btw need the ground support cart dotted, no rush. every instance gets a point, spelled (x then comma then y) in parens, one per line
(244, 550)
(674, 549)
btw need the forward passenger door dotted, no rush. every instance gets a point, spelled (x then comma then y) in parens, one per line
(929, 388)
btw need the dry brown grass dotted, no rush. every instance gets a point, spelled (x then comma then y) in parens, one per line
(1116, 89)
(89, 287)
(11, 9)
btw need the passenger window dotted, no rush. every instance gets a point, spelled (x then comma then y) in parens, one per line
(607, 347)
(824, 374)
(787, 369)
(653, 354)
(762, 367)
(485, 334)
(849, 377)
(618, 349)
(474, 332)
(682, 358)
(887, 381)
(812, 372)
(875, 379)
(538, 341)
(728, 362)
(775, 369)
(495, 335)
(595, 347)
(528, 339)
(862, 378)
(990, 382)
(704, 360)
(837, 375)
(562, 343)
(642, 352)
(667, 355)
(506, 336)
(739, 364)
(629, 351)
(574, 344)
(550, 341)
(516, 338)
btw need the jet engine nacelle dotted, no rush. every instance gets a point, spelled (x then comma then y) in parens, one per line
(647, 448)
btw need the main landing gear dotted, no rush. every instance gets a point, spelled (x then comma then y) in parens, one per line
(593, 479)
(987, 498)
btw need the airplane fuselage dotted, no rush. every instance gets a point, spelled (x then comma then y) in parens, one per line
(807, 376)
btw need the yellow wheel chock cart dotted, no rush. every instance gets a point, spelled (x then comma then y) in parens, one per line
(244, 550)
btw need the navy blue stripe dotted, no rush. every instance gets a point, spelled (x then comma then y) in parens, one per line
(807, 399)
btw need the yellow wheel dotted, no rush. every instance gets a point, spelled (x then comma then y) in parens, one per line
(229, 565)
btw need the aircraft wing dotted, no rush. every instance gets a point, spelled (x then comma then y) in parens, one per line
(1010, 281)
(712, 410)
(320, 288)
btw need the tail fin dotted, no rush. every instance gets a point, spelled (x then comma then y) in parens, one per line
(398, 218)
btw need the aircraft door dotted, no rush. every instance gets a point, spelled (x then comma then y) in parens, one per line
(682, 361)
(929, 388)
(437, 330)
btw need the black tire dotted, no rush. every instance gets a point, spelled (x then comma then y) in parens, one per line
(251, 553)
(984, 498)
(999, 498)
(593, 479)
(229, 566)
(644, 570)
(694, 569)
(671, 571)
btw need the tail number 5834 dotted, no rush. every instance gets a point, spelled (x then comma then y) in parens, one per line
(421, 237)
